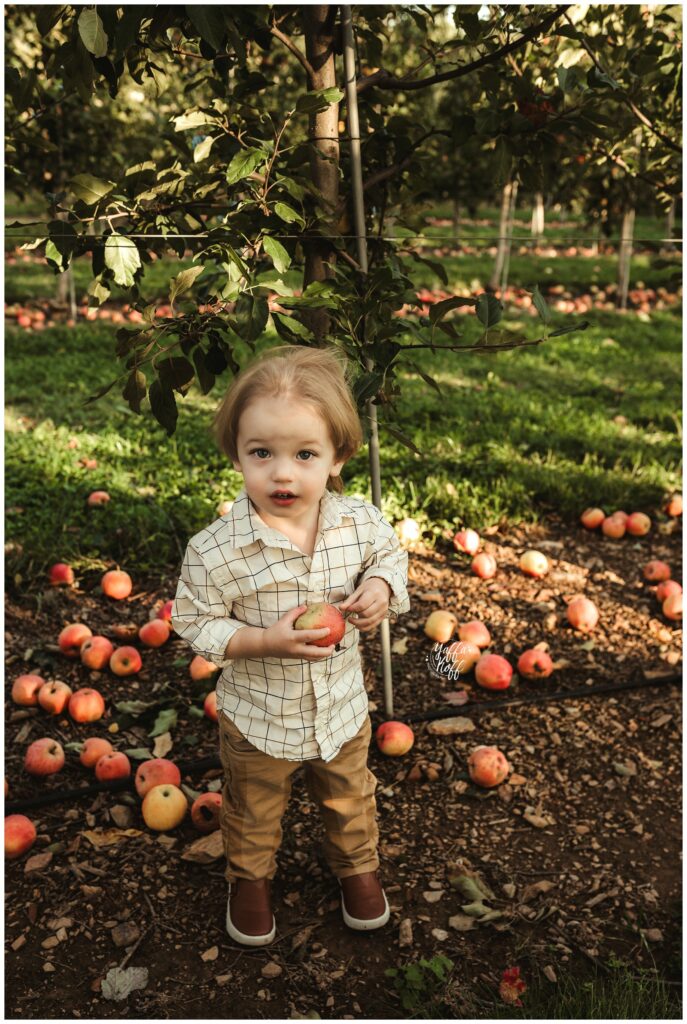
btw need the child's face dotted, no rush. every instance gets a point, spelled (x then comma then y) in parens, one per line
(284, 445)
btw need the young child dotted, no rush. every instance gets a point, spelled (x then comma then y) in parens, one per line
(289, 424)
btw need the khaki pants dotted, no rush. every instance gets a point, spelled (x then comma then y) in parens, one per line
(256, 792)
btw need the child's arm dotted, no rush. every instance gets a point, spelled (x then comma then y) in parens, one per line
(201, 616)
(387, 561)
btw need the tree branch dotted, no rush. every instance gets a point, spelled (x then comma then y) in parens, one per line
(384, 80)
(290, 45)
(388, 172)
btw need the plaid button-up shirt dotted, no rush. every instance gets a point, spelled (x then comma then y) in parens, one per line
(239, 571)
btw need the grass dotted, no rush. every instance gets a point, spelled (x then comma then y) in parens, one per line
(589, 418)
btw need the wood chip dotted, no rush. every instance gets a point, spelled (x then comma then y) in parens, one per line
(451, 726)
(210, 954)
(271, 970)
(405, 932)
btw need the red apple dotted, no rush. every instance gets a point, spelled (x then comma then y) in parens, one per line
(475, 632)
(53, 697)
(20, 835)
(613, 527)
(25, 689)
(638, 524)
(44, 757)
(592, 517)
(656, 571)
(93, 749)
(394, 738)
(96, 652)
(205, 812)
(663, 590)
(61, 574)
(165, 613)
(154, 633)
(583, 614)
(493, 672)
(72, 638)
(534, 563)
(116, 584)
(487, 766)
(201, 668)
(156, 772)
(467, 541)
(674, 505)
(125, 661)
(464, 655)
(672, 606)
(86, 705)
(484, 566)
(620, 515)
(534, 664)
(97, 498)
(319, 616)
(164, 807)
(115, 765)
(210, 705)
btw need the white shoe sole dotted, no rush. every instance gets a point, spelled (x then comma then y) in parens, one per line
(362, 924)
(249, 940)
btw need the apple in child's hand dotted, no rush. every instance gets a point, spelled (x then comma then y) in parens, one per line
(321, 616)
(205, 812)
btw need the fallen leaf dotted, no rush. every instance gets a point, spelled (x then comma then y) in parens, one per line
(535, 889)
(206, 849)
(163, 744)
(109, 836)
(119, 982)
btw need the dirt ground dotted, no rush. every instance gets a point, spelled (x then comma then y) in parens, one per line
(579, 853)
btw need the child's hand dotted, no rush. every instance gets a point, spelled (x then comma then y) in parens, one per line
(281, 640)
(368, 605)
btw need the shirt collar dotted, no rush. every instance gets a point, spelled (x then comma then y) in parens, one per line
(248, 527)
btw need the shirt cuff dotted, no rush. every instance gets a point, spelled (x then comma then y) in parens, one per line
(399, 601)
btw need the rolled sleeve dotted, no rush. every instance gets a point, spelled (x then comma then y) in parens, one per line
(201, 613)
(388, 561)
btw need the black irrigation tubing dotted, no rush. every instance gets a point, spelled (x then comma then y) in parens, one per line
(467, 710)
(209, 763)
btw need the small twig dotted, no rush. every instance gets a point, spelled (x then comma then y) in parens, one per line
(298, 54)
(133, 949)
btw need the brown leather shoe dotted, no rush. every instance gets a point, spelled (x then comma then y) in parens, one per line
(363, 901)
(249, 912)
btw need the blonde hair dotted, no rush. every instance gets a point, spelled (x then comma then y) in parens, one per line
(318, 377)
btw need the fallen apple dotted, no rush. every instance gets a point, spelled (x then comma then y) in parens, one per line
(86, 705)
(54, 696)
(210, 705)
(165, 613)
(72, 638)
(115, 765)
(591, 518)
(205, 811)
(201, 668)
(116, 584)
(156, 772)
(394, 738)
(164, 807)
(534, 664)
(475, 632)
(61, 575)
(464, 655)
(20, 835)
(656, 571)
(125, 661)
(484, 565)
(493, 672)
(25, 689)
(408, 531)
(638, 524)
(487, 767)
(467, 541)
(672, 606)
(674, 505)
(582, 614)
(96, 652)
(613, 527)
(154, 633)
(93, 749)
(534, 563)
(663, 590)
(44, 757)
(97, 498)
(440, 625)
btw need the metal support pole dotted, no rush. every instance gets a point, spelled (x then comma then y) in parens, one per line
(361, 244)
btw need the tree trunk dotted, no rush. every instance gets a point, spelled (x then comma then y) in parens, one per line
(670, 223)
(456, 220)
(625, 257)
(319, 22)
(504, 237)
(538, 217)
(66, 290)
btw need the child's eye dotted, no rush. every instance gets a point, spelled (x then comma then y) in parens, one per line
(302, 451)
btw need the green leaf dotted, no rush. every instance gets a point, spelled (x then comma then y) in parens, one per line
(64, 237)
(47, 16)
(98, 291)
(427, 379)
(244, 163)
(92, 32)
(54, 256)
(438, 268)
(312, 102)
(439, 310)
(165, 722)
(569, 329)
(209, 22)
(278, 254)
(206, 379)
(183, 281)
(288, 214)
(541, 305)
(88, 189)
(192, 119)
(403, 438)
(288, 328)
(177, 372)
(163, 406)
(489, 310)
(123, 259)
(134, 707)
(135, 390)
(100, 392)
(202, 150)
(251, 316)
